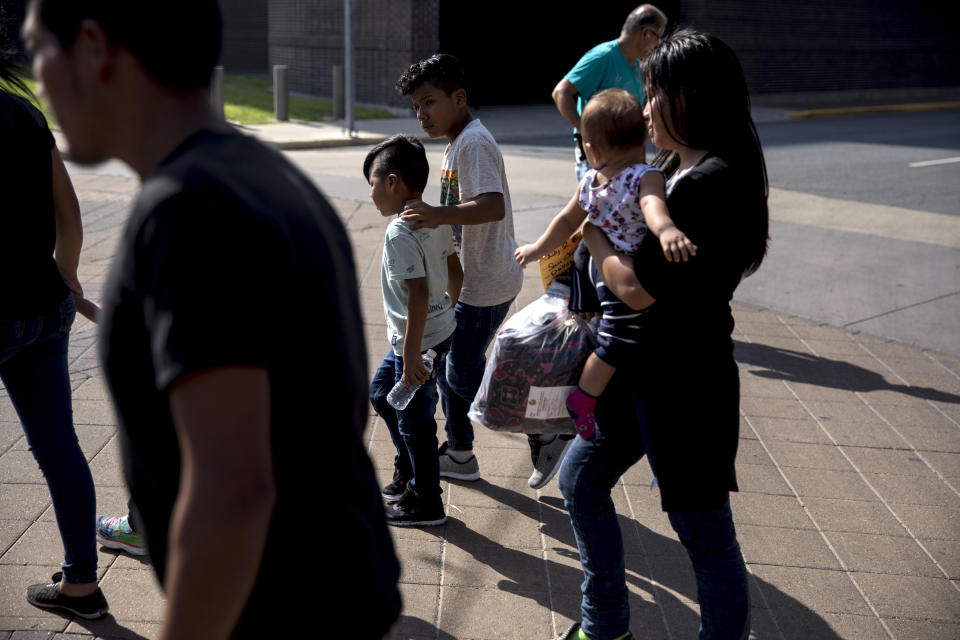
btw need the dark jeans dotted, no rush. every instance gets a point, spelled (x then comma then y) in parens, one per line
(460, 380)
(589, 473)
(414, 429)
(33, 367)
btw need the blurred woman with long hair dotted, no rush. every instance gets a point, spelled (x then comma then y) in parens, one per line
(40, 239)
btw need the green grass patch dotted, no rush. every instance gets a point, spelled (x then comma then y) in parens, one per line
(249, 100)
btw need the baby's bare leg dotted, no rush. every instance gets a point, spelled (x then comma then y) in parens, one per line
(596, 375)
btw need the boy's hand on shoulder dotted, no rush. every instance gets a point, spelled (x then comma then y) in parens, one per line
(676, 245)
(421, 214)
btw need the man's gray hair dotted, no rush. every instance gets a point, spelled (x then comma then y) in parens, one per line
(646, 15)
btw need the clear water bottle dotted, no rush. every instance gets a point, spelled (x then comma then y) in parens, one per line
(401, 395)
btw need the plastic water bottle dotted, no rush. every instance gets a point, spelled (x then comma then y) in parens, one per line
(401, 395)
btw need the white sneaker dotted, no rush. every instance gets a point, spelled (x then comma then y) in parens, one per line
(547, 457)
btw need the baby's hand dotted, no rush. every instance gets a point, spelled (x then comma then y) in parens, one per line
(676, 246)
(526, 254)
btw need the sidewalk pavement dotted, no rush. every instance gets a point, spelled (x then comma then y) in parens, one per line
(848, 515)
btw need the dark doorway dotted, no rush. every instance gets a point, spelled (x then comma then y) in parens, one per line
(515, 51)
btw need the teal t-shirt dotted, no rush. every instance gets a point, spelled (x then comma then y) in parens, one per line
(416, 254)
(604, 67)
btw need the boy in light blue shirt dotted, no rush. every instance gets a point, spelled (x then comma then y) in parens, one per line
(421, 277)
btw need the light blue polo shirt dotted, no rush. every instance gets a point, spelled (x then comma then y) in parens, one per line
(604, 67)
(416, 254)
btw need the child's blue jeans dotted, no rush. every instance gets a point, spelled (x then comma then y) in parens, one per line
(460, 380)
(414, 429)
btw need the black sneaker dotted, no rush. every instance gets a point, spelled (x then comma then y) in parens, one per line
(572, 633)
(48, 596)
(396, 489)
(408, 512)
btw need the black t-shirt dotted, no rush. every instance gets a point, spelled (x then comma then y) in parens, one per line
(232, 257)
(30, 283)
(689, 379)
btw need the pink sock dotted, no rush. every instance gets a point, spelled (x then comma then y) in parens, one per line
(580, 406)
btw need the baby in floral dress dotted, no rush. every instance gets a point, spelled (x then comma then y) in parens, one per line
(623, 196)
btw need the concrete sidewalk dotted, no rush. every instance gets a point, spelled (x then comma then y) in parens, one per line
(849, 515)
(849, 465)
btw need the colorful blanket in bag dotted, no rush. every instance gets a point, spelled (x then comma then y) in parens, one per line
(537, 359)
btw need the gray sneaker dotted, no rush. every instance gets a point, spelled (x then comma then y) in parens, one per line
(450, 468)
(547, 457)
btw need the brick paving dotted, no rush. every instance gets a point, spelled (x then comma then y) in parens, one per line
(849, 514)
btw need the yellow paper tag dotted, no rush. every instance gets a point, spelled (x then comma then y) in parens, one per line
(559, 260)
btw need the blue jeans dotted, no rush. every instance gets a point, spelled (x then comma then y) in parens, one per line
(414, 429)
(580, 163)
(589, 473)
(33, 367)
(460, 380)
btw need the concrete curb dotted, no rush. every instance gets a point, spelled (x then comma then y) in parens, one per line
(325, 143)
(888, 108)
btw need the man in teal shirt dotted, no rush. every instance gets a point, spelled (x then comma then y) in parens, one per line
(609, 65)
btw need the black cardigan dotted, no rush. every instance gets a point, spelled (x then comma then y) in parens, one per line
(689, 382)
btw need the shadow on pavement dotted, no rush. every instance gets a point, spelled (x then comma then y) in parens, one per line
(794, 366)
(675, 584)
(143, 560)
(411, 627)
(109, 629)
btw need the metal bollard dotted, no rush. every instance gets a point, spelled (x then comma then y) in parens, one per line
(216, 91)
(339, 107)
(281, 96)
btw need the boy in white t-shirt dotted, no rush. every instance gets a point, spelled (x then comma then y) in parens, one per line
(475, 200)
(421, 276)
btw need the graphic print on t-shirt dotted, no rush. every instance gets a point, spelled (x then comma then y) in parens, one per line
(450, 195)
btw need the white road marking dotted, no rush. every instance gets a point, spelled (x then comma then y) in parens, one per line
(930, 163)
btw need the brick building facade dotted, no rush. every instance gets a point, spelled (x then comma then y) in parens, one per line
(389, 35)
(825, 45)
(245, 36)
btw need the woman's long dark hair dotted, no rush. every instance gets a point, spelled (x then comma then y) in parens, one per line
(702, 81)
(9, 77)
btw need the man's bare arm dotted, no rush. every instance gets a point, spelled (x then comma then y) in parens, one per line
(222, 420)
(565, 97)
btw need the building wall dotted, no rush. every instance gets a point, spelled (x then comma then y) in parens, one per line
(244, 36)
(825, 45)
(808, 46)
(389, 35)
